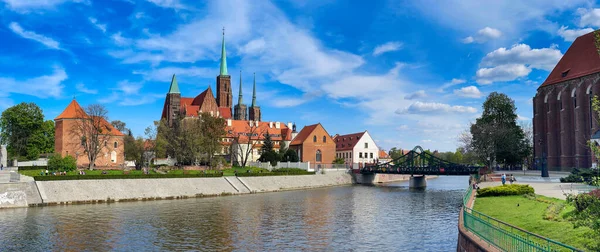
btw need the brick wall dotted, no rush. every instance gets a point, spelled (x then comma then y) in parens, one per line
(309, 147)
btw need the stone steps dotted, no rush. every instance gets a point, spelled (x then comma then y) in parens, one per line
(237, 184)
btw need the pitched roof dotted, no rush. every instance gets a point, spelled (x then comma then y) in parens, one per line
(383, 154)
(174, 89)
(303, 134)
(238, 127)
(580, 59)
(73, 110)
(225, 112)
(113, 131)
(200, 98)
(347, 142)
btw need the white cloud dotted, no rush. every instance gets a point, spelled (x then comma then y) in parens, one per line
(29, 5)
(253, 47)
(352, 86)
(469, 92)
(402, 127)
(42, 87)
(416, 95)
(571, 35)
(543, 58)
(120, 40)
(48, 42)
(82, 88)
(287, 102)
(523, 118)
(589, 17)
(509, 64)
(129, 88)
(101, 27)
(127, 93)
(453, 82)
(175, 4)
(387, 47)
(500, 73)
(434, 107)
(164, 74)
(483, 35)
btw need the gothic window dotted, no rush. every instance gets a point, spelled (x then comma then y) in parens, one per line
(315, 139)
(324, 139)
(116, 144)
(318, 157)
(574, 100)
(591, 110)
(560, 104)
(83, 141)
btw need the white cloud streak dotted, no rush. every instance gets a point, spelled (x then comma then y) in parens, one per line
(469, 92)
(48, 42)
(41, 87)
(434, 107)
(387, 47)
(483, 35)
(571, 34)
(101, 27)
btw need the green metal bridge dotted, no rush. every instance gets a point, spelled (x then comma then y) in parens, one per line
(419, 162)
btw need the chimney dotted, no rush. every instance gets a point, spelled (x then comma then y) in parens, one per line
(229, 122)
(251, 123)
(289, 125)
(270, 124)
(218, 114)
(277, 125)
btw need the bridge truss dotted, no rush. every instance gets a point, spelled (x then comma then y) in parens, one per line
(419, 162)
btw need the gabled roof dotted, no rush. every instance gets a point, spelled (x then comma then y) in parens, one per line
(347, 142)
(581, 59)
(73, 111)
(200, 98)
(113, 131)
(225, 112)
(239, 127)
(174, 89)
(303, 134)
(383, 155)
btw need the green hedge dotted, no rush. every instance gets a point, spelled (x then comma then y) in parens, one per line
(289, 170)
(137, 176)
(274, 174)
(29, 168)
(505, 190)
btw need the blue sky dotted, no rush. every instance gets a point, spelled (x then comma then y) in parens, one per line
(409, 72)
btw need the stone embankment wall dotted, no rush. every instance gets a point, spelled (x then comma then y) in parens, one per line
(107, 190)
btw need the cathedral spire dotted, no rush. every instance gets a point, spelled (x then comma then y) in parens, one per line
(223, 56)
(254, 91)
(174, 89)
(240, 95)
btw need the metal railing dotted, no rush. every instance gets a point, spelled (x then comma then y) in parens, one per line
(505, 236)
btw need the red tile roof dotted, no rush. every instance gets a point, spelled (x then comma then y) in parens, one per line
(225, 112)
(238, 127)
(580, 59)
(383, 154)
(113, 131)
(347, 142)
(73, 111)
(303, 134)
(200, 98)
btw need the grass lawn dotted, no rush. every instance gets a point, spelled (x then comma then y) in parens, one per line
(534, 216)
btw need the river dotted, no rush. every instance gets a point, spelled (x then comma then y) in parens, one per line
(389, 217)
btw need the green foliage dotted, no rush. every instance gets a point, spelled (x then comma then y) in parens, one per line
(496, 134)
(579, 175)
(587, 214)
(23, 129)
(57, 163)
(289, 170)
(273, 174)
(128, 176)
(31, 168)
(505, 190)
(339, 161)
(290, 156)
(597, 40)
(268, 144)
(269, 156)
(246, 169)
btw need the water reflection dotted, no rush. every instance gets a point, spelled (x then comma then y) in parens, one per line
(359, 218)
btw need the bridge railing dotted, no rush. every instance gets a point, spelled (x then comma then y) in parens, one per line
(505, 236)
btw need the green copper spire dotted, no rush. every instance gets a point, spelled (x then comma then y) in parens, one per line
(174, 89)
(240, 95)
(254, 92)
(223, 56)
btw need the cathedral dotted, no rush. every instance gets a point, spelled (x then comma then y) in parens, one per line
(205, 102)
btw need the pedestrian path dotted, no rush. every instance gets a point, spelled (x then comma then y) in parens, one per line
(548, 189)
(5, 174)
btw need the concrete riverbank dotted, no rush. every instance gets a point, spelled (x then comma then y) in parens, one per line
(42, 193)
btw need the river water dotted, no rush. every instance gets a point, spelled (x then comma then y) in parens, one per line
(388, 217)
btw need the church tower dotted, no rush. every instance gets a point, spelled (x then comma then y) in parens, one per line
(239, 111)
(254, 110)
(172, 102)
(224, 96)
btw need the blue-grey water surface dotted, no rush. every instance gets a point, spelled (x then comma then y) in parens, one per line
(387, 217)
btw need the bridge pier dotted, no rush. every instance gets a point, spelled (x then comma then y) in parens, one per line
(417, 182)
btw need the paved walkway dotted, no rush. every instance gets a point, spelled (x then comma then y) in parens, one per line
(5, 175)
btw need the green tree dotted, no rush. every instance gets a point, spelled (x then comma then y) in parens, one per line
(57, 163)
(213, 132)
(121, 126)
(339, 161)
(268, 144)
(91, 129)
(496, 135)
(23, 129)
(290, 156)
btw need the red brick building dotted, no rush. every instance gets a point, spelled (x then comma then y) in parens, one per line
(563, 120)
(313, 144)
(206, 102)
(68, 140)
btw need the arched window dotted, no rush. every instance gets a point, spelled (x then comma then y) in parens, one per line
(324, 139)
(116, 144)
(83, 140)
(591, 95)
(574, 95)
(318, 157)
(315, 139)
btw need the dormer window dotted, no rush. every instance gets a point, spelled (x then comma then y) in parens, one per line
(565, 73)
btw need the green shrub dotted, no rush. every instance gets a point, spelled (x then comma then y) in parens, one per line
(128, 176)
(579, 175)
(290, 156)
(273, 174)
(30, 168)
(505, 190)
(69, 163)
(57, 163)
(289, 170)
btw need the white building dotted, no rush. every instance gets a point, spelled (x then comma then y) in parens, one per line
(356, 148)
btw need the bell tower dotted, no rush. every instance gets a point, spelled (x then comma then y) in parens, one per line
(254, 110)
(224, 96)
